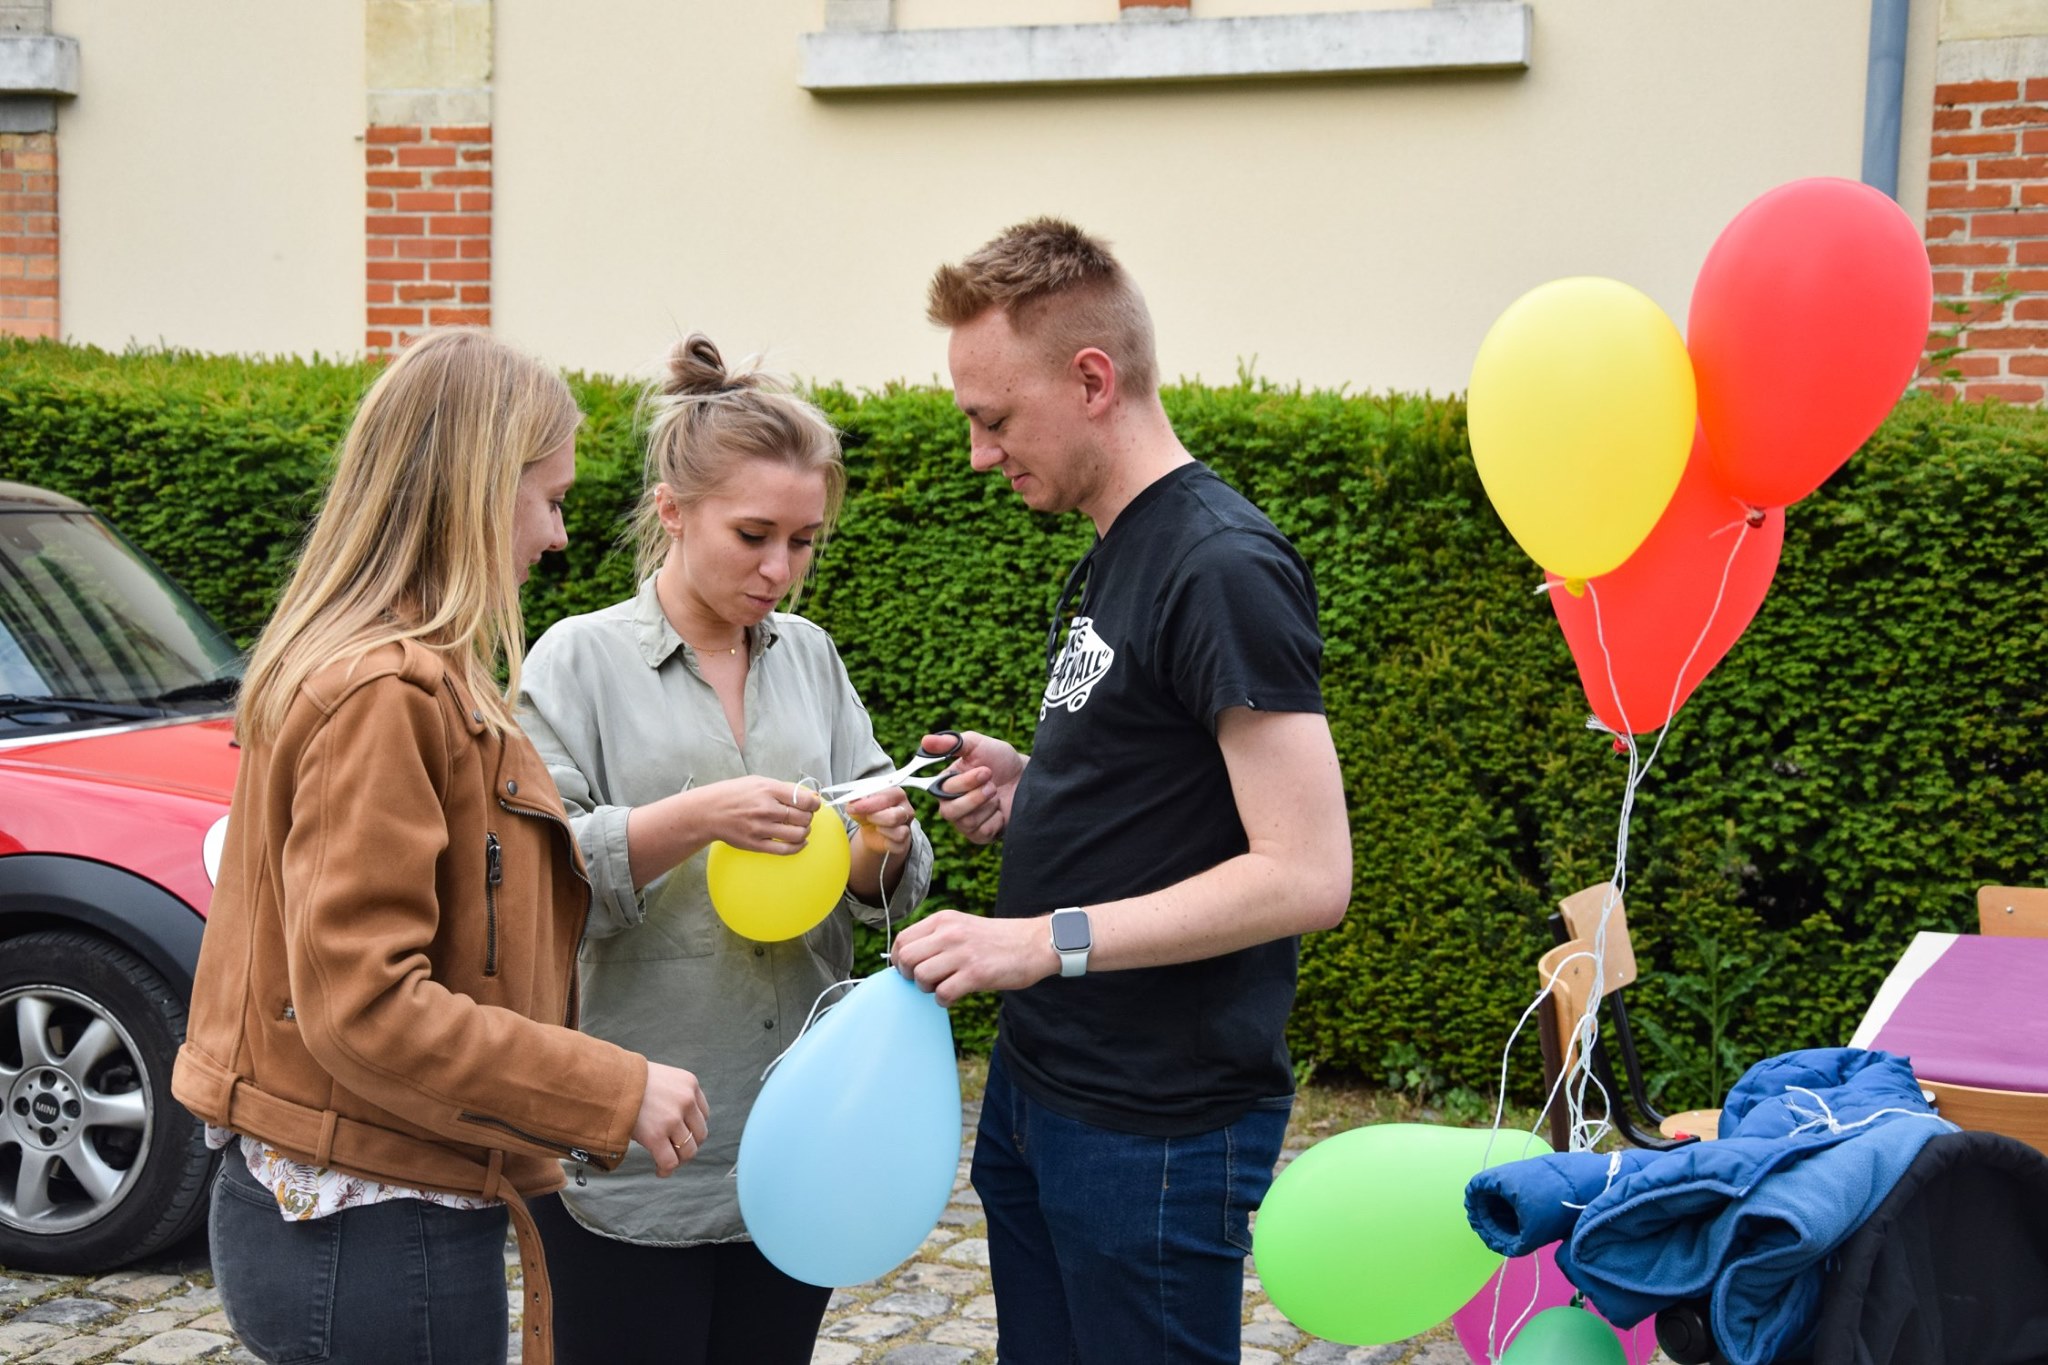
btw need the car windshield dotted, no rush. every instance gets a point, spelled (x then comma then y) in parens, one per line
(89, 628)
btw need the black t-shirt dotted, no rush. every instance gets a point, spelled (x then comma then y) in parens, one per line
(1193, 603)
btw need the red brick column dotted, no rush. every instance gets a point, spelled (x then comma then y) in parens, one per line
(28, 234)
(428, 229)
(1987, 235)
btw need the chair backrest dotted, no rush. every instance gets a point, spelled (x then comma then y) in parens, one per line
(2015, 1113)
(1581, 912)
(1567, 972)
(2013, 911)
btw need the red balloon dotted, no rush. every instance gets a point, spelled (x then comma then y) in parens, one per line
(1654, 607)
(1808, 320)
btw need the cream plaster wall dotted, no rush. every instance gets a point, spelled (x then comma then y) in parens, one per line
(659, 169)
(210, 175)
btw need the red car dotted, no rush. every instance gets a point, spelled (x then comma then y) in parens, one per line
(117, 761)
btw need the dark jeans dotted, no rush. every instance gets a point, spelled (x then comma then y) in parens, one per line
(399, 1281)
(1114, 1249)
(621, 1303)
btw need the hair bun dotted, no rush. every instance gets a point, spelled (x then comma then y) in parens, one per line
(695, 367)
(697, 370)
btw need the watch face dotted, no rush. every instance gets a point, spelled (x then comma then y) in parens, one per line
(1070, 933)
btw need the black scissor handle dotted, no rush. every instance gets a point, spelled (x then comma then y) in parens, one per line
(938, 788)
(959, 743)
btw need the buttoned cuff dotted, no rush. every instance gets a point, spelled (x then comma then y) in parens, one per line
(614, 905)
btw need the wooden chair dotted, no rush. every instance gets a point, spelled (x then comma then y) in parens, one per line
(2013, 911)
(2015, 1113)
(1567, 971)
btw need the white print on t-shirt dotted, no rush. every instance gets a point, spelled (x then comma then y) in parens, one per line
(1083, 663)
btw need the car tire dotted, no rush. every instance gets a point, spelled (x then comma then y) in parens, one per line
(99, 1166)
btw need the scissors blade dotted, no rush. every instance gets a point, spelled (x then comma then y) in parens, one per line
(839, 793)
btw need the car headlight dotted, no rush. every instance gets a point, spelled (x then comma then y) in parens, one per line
(209, 851)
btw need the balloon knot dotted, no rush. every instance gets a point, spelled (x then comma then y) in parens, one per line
(1620, 745)
(1755, 517)
(1575, 586)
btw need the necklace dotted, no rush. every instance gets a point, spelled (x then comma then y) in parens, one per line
(729, 649)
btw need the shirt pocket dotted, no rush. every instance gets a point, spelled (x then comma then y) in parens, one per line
(680, 922)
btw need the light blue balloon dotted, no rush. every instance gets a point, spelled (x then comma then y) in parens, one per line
(849, 1156)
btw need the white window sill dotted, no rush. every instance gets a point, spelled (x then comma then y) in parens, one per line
(1493, 35)
(38, 64)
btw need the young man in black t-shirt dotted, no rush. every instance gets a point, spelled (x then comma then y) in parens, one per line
(1178, 823)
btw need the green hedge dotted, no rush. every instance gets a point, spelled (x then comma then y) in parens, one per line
(1864, 759)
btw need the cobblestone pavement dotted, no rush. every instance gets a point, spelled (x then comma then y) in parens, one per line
(936, 1309)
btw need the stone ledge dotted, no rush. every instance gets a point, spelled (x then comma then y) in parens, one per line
(1490, 36)
(1990, 59)
(38, 64)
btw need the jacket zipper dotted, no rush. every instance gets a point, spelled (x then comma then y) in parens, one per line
(573, 1153)
(589, 891)
(494, 873)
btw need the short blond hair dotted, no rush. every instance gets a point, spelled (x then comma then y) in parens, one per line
(1060, 287)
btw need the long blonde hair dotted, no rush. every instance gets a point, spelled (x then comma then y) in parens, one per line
(704, 420)
(413, 541)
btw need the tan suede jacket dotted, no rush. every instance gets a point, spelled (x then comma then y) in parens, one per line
(390, 956)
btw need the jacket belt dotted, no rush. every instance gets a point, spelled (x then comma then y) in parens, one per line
(326, 1138)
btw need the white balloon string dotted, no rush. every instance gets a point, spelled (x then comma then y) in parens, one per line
(888, 917)
(848, 981)
(882, 881)
(1573, 1083)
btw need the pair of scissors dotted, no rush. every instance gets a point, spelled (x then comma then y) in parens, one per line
(950, 743)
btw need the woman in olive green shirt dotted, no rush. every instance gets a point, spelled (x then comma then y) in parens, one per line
(678, 717)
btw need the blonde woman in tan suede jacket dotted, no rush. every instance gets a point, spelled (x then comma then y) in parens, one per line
(378, 1021)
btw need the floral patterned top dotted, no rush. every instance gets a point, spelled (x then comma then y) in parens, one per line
(305, 1192)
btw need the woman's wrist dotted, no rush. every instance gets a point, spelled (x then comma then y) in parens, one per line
(663, 834)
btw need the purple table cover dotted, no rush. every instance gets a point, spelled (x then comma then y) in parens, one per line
(1978, 1016)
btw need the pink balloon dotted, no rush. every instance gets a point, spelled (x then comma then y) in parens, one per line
(1529, 1285)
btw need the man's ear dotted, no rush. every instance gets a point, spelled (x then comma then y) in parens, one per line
(1097, 375)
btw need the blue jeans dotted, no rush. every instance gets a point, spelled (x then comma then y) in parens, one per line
(399, 1281)
(1114, 1248)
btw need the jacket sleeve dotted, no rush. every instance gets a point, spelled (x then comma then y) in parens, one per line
(856, 754)
(560, 724)
(360, 915)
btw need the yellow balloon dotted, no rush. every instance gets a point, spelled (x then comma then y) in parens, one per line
(774, 896)
(1581, 413)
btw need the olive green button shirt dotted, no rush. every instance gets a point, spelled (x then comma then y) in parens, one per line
(617, 707)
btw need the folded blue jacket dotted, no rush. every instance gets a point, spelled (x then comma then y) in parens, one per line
(1810, 1143)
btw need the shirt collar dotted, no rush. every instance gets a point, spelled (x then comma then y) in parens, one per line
(657, 639)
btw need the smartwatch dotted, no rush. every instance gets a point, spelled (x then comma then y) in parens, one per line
(1071, 939)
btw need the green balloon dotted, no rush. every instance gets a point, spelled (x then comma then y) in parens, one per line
(1564, 1336)
(1363, 1239)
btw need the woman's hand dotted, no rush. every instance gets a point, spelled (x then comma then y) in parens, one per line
(673, 1117)
(760, 814)
(884, 820)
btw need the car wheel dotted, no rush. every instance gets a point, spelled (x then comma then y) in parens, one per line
(98, 1164)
